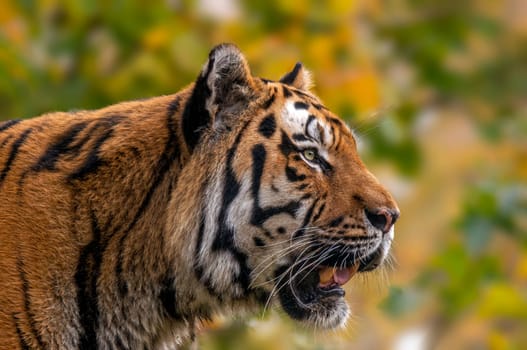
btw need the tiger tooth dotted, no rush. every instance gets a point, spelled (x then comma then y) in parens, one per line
(326, 275)
(331, 275)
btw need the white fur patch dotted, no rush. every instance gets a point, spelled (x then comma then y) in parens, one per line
(218, 266)
(318, 131)
(294, 118)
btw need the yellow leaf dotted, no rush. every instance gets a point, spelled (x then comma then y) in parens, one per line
(156, 37)
(498, 342)
(503, 300)
(363, 88)
(521, 269)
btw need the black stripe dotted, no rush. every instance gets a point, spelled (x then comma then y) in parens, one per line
(305, 196)
(196, 116)
(319, 212)
(268, 126)
(292, 174)
(259, 214)
(173, 107)
(325, 165)
(21, 340)
(333, 135)
(27, 303)
(14, 152)
(93, 161)
(335, 121)
(336, 222)
(301, 93)
(86, 276)
(309, 214)
(243, 277)
(300, 137)
(258, 154)
(287, 93)
(287, 146)
(290, 77)
(5, 141)
(337, 146)
(8, 124)
(198, 270)
(168, 298)
(307, 219)
(75, 148)
(269, 102)
(319, 106)
(321, 133)
(301, 105)
(62, 146)
(170, 154)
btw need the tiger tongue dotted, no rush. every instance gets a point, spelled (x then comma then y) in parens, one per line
(341, 276)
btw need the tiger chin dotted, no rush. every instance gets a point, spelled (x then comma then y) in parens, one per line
(126, 226)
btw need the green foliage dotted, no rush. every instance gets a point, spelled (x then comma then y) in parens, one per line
(458, 278)
(492, 209)
(395, 142)
(401, 301)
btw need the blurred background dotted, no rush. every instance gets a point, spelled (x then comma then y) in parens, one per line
(436, 91)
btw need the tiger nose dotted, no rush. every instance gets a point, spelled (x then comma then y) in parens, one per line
(382, 219)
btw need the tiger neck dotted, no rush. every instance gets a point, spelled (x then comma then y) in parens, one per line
(211, 273)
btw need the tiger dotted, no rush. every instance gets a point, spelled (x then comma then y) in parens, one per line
(128, 226)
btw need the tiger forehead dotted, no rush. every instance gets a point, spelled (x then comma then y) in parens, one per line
(306, 120)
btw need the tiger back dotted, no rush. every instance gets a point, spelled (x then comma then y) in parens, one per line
(124, 227)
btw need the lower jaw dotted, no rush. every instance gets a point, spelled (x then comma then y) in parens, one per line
(320, 309)
(315, 305)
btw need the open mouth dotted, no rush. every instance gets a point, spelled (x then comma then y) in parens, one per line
(332, 279)
(316, 294)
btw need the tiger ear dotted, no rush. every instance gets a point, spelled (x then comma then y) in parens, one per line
(228, 77)
(222, 90)
(299, 78)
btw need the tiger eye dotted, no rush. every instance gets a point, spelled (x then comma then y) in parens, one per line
(309, 154)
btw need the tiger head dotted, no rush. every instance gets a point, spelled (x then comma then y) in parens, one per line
(284, 210)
